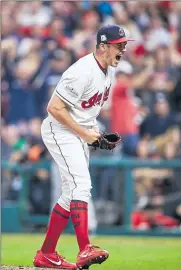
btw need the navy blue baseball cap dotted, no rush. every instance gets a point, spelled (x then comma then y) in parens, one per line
(112, 34)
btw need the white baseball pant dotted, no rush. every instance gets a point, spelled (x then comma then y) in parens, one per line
(71, 154)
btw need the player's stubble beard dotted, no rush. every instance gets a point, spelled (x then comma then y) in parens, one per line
(107, 58)
(111, 60)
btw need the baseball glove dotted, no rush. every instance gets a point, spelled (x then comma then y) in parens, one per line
(107, 141)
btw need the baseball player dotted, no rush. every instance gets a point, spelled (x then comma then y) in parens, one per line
(69, 128)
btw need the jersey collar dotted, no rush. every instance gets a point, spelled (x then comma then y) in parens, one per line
(104, 70)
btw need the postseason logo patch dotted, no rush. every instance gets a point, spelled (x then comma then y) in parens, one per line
(103, 38)
(71, 91)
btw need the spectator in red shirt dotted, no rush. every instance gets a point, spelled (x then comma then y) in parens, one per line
(124, 111)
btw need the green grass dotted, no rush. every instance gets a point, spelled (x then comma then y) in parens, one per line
(126, 253)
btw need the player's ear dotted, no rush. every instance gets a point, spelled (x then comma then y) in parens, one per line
(102, 47)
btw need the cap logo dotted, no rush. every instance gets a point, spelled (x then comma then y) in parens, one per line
(103, 38)
(121, 32)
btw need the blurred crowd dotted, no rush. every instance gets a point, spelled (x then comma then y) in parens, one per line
(41, 39)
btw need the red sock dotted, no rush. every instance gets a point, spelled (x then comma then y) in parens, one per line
(79, 215)
(58, 221)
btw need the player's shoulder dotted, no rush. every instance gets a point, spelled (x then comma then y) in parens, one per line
(81, 66)
(85, 63)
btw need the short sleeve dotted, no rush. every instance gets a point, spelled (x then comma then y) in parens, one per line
(71, 86)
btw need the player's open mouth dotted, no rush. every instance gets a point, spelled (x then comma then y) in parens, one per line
(118, 57)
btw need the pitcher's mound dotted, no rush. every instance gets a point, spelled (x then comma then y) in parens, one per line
(15, 267)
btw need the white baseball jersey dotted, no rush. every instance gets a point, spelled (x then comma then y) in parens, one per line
(84, 86)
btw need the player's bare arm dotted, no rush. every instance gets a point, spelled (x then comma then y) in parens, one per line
(59, 110)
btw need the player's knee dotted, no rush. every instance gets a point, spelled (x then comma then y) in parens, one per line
(82, 192)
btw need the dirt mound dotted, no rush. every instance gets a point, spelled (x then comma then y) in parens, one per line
(15, 267)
